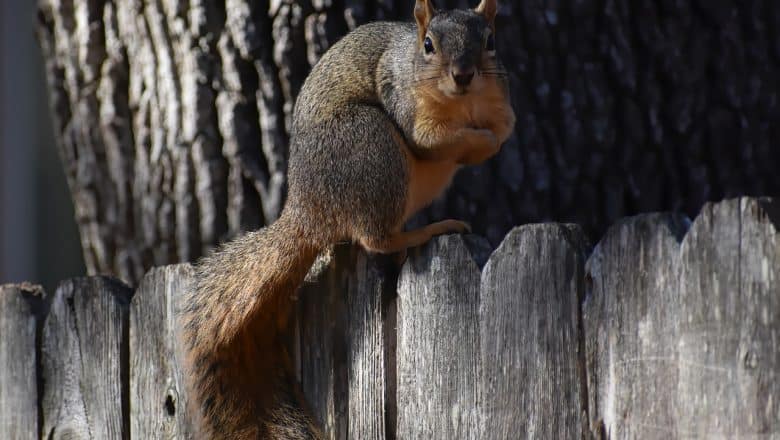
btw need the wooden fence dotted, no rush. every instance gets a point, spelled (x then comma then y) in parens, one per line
(667, 330)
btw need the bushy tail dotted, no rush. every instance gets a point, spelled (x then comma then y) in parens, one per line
(238, 370)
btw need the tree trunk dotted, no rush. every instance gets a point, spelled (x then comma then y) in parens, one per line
(173, 116)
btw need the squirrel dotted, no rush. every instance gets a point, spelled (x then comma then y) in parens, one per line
(382, 123)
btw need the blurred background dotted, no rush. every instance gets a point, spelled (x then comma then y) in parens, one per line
(38, 236)
(173, 119)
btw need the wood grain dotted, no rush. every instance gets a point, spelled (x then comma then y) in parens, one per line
(729, 317)
(438, 363)
(631, 327)
(670, 330)
(85, 361)
(322, 356)
(158, 398)
(367, 349)
(530, 335)
(682, 332)
(21, 308)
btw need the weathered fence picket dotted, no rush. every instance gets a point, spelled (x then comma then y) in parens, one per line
(438, 360)
(683, 334)
(322, 325)
(531, 335)
(158, 402)
(631, 326)
(664, 332)
(729, 317)
(20, 313)
(368, 347)
(84, 360)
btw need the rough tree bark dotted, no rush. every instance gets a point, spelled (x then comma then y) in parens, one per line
(172, 115)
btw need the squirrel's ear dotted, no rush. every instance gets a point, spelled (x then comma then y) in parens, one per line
(488, 9)
(423, 13)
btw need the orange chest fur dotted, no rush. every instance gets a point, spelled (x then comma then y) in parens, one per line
(476, 110)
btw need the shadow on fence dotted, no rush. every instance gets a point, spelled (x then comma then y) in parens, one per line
(668, 330)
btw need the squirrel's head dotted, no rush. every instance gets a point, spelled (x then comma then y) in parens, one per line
(456, 49)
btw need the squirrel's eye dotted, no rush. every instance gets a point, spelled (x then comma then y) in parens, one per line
(490, 43)
(428, 43)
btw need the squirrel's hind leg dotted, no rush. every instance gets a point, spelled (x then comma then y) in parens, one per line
(401, 241)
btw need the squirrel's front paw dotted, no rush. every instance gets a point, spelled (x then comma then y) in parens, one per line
(483, 138)
(482, 146)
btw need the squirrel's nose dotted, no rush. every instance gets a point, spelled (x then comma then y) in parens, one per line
(463, 77)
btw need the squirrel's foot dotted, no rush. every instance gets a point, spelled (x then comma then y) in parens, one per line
(450, 227)
(404, 240)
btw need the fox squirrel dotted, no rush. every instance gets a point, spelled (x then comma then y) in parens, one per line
(381, 125)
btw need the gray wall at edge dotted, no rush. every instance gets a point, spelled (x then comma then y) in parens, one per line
(38, 235)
